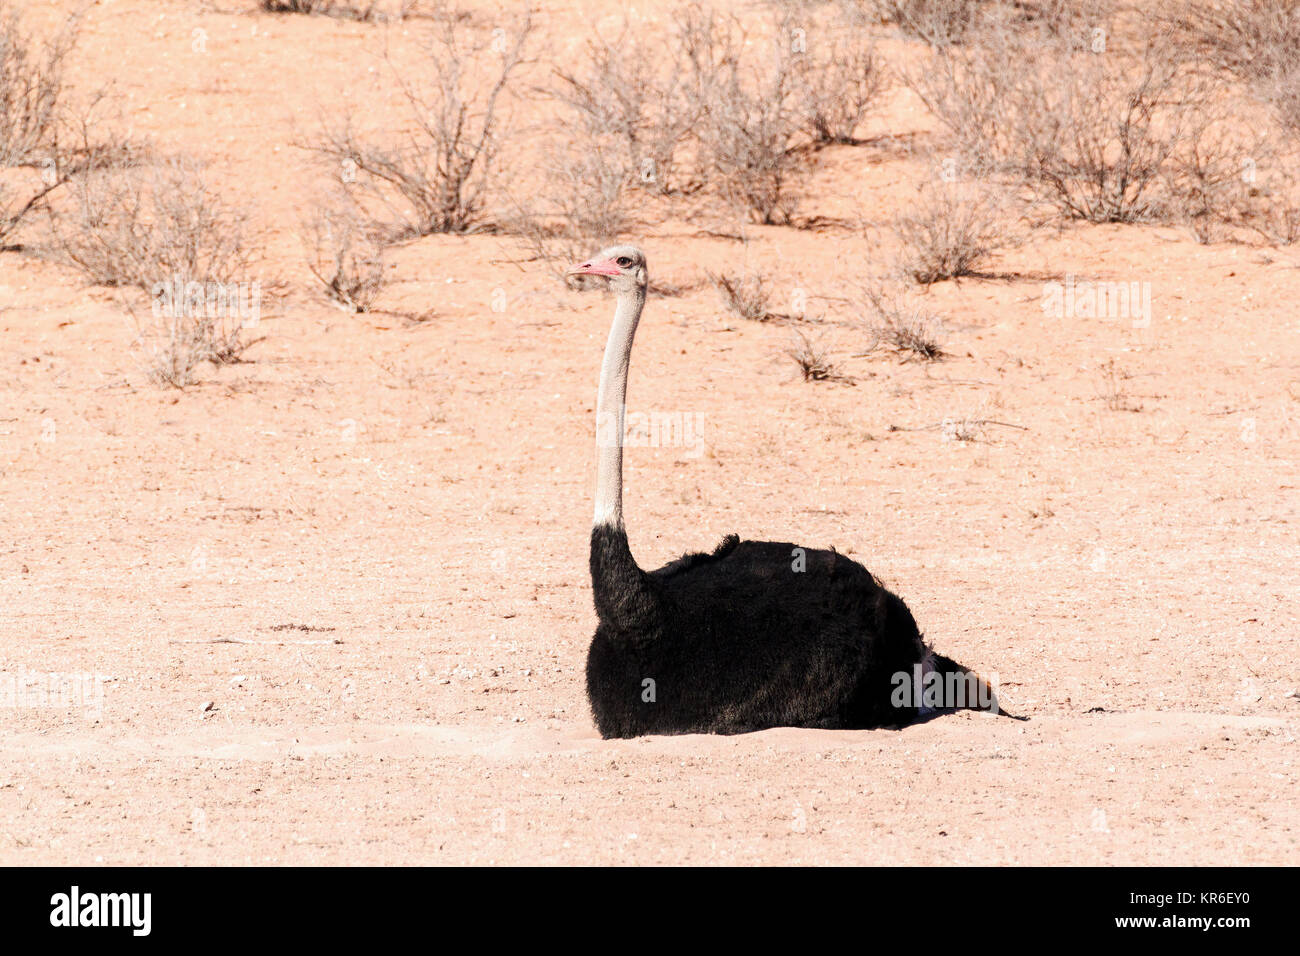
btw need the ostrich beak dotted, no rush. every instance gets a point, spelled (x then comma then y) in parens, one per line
(594, 267)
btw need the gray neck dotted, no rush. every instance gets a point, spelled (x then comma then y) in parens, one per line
(611, 406)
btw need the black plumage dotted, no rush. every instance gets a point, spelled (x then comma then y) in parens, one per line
(755, 634)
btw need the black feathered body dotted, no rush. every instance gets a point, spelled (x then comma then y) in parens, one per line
(756, 634)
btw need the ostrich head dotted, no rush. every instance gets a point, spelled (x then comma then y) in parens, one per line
(624, 266)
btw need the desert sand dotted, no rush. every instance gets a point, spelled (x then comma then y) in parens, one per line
(335, 604)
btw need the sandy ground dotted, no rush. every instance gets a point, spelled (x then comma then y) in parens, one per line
(334, 604)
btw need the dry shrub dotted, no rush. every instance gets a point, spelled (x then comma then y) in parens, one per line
(747, 99)
(717, 106)
(1204, 182)
(1286, 100)
(625, 99)
(31, 88)
(137, 225)
(1093, 131)
(363, 11)
(176, 345)
(617, 141)
(298, 6)
(1252, 183)
(944, 23)
(949, 232)
(1271, 208)
(345, 254)
(1256, 41)
(895, 322)
(1253, 39)
(723, 109)
(438, 178)
(161, 228)
(746, 296)
(813, 359)
(584, 203)
(937, 22)
(1227, 178)
(42, 142)
(1112, 388)
(840, 79)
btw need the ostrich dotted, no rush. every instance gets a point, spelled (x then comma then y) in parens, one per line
(755, 634)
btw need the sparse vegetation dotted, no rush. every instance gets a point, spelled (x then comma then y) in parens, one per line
(749, 113)
(964, 429)
(627, 104)
(909, 330)
(814, 360)
(176, 345)
(1095, 132)
(141, 224)
(363, 11)
(1113, 388)
(839, 80)
(937, 22)
(584, 204)
(948, 233)
(43, 142)
(1254, 40)
(735, 114)
(345, 255)
(439, 178)
(162, 229)
(746, 295)
(300, 6)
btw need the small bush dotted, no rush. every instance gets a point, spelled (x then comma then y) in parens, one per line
(588, 190)
(909, 330)
(1273, 214)
(937, 22)
(746, 296)
(1286, 98)
(1207, 181)
(140, 225)
(31, 89)
(363, 11)
(38, 145)
(345, 256)
(813, 359)
(176, 346)
(839, 81)
(299, 6)
(946, 235)
(439, 177)
(1113, 388)
(1092, 132)
(749, 113)
(947, 23)
(162, 229)
(1256, 41)
(626, 101)
(584, 203)
(1252, 39)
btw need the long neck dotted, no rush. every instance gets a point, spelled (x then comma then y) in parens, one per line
(611, 404)
(625, 596)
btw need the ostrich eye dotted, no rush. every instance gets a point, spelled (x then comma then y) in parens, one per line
(623, 262)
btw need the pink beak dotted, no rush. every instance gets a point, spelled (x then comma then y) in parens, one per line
(595, 267)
